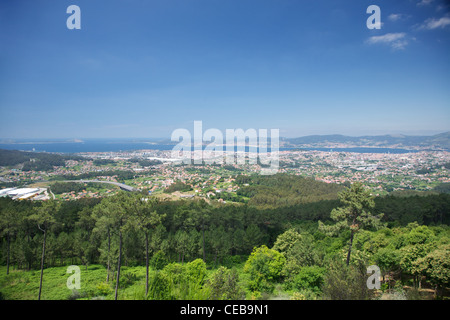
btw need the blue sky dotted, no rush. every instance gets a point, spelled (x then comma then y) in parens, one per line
(143, 68)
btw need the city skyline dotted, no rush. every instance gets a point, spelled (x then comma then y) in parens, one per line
(145, 68)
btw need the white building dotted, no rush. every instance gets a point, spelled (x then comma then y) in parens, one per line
(22, 193)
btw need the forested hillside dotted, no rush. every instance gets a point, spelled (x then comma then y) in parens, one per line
(410, 243)
(441, 140)
(38, 161)
(283, 190)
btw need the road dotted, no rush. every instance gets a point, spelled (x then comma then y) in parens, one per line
(120, 185)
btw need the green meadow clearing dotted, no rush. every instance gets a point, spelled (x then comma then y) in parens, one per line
(24, 285)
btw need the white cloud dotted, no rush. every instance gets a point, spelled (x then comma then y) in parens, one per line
(394, 16)
(395, 40)
(387, 38)
(398, 17)
(430, 24)
(424, 2)
(399, 45)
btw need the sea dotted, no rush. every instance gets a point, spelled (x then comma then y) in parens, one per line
(120, 145)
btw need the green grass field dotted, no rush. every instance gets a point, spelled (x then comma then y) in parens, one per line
(24, 285)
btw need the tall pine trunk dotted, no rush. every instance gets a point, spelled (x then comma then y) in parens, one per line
(350, 248)
(203, 243)
(146, 263)
(118, 264)
(109, 255)
(8, 253)
(42, 265)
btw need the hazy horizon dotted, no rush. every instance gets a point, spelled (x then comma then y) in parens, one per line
(80, 139)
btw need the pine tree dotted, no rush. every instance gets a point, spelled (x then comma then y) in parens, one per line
(114, 215)
(146, 219)
(44, 217)
(354, 215)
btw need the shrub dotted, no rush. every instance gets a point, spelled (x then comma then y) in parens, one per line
(264, 267)
(342, 282)
(158, 261)
(255, 295)
(297, 296)
(127, 279)
(196, 271)
(175, 272)
(224, 285)
(309, 278)
(179, 282)
(286, 241)
(74, 295)
(159, 287)
(103, 289)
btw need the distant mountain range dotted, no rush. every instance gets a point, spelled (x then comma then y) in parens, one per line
(438, 141)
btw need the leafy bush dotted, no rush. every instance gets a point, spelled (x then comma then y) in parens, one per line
(159, 287)
(264, 267)
(127, 279)
(179, 282)
(224, 285)
(342, 282)
(309, 278)
(297, 296)
(158, 261)
(286, 241)
(196, 271)
(303, 252)
(103, 289)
